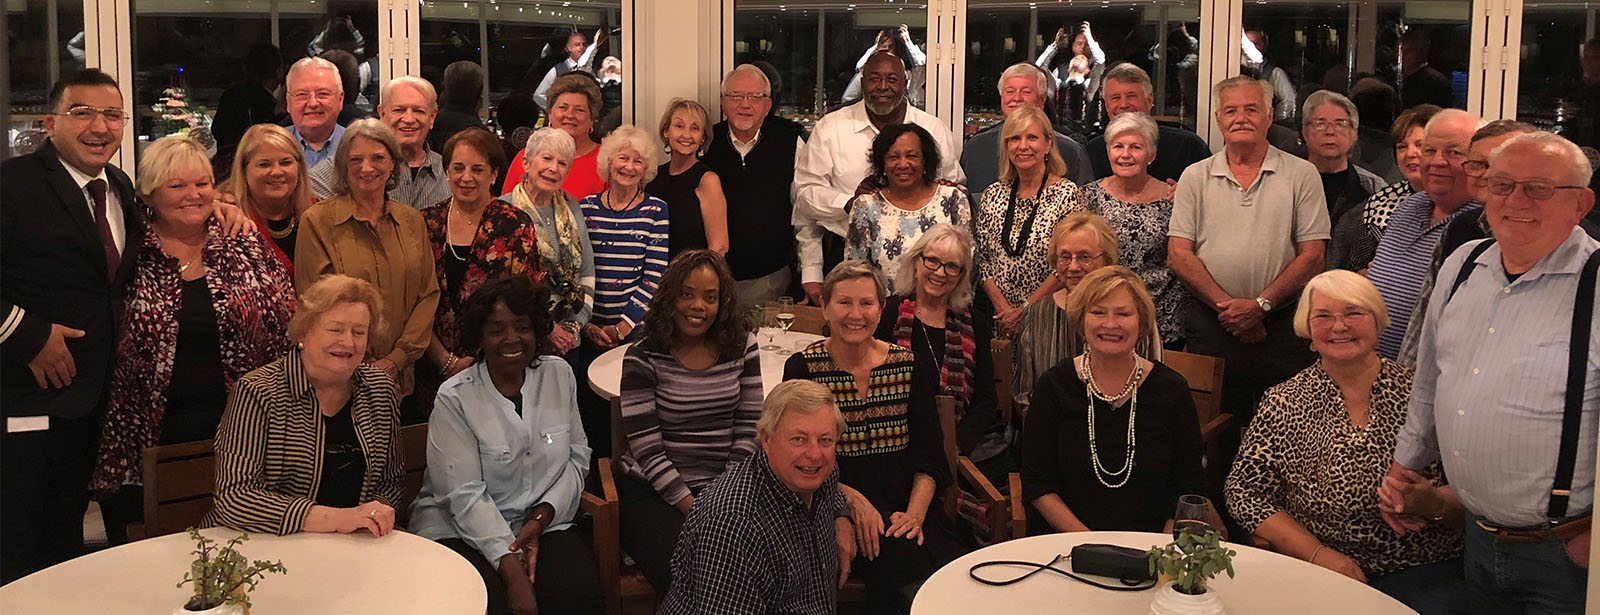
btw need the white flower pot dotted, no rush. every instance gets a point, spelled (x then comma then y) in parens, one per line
(226, 609)
(1170, 601)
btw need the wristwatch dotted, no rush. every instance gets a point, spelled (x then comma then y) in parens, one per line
(1266, 306)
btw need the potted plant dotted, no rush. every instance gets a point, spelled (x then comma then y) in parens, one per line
(1189, 561)
(222, 577)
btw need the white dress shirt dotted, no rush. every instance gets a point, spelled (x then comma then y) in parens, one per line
(119, 231)
(539, 93)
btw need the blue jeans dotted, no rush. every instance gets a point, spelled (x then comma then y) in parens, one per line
(1431, 589)
(1528, 578)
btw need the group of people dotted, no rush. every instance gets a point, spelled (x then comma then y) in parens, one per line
(347, 280)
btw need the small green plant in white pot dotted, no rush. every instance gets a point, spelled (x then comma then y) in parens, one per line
(1190, 560)
(222, 578)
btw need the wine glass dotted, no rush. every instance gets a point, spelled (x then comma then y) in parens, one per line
(1194, 515)
(785, 319)
(769, 328)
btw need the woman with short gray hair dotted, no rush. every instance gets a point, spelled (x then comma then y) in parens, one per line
(563, 237)
(1328, 125)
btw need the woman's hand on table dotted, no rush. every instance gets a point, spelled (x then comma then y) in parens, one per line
(375, 517)
(1338, 562)
(905, 525)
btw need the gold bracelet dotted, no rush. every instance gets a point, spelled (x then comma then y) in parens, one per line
(1313, 558)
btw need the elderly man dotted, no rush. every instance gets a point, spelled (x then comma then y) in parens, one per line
(1404, 258)
(1489, 399)
(770, 535)
(408, 105)
(1329, 128)
(753, 153)
(579, 57)
(832, 167)
(1021, 84)
(1247, 232)
(314, 95)
(1127, 88)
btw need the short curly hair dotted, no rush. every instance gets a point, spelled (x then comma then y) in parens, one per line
(636, 138)
(729, 330)
(892, 133)
(521, 296)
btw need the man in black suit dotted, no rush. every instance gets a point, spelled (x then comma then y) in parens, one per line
(69, 231)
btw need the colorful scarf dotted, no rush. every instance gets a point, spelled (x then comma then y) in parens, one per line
(562, 254)
(955, 369)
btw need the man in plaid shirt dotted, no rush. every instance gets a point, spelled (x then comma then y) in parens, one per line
(770, 535)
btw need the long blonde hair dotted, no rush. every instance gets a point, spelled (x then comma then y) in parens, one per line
(256, 139)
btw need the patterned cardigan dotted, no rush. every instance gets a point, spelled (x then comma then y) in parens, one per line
(506, 244)
(253, 296)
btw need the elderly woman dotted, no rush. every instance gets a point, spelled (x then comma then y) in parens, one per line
(269, 183)
(199, 303)
(1142, 445)
(363, 233)
(574, 104)
(628, 228)
(690, 188)
(568, 258)
(1031, 195)
(1356, 235)
(1138, 209)
(934, 317)
(1328, 125)
(891, 460)
(691, 395)
(476, 237)
(1079, 244)
(905, 162)
(1307, 473)
(311, 442)
(507, 457)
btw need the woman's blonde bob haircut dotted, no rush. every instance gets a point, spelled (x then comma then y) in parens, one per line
(372, 129)
(802, 397)
(1343, 286)
(636, 138)
(1083, 220)
(698, 111)
(330, 291)
(168, 155)
(1021, 120)
(1098, 285)
(849, 270)
(263, 140)
(945, 235)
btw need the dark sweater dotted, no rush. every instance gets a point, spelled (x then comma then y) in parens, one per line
(760, 237)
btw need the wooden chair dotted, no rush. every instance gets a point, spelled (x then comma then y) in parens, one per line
(624, 585)
(1003, 353)
(414, 453)
(178, 479)
(602, 507)
(996, 508)
(807, 318)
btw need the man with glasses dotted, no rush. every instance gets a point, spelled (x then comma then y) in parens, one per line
(1405, 254)
(314, 96)
(753, 153)
(1500, 396)
(408, 105)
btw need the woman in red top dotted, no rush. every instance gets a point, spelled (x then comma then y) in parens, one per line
(574, 100)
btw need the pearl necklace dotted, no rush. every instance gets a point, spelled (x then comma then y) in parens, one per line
(1092, 392)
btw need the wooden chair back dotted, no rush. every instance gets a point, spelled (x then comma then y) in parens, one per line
(1205, 374)
(414, 453)
(807, 318)
(952, 455)
(178, 480)
(1004, 366)
(619, 438)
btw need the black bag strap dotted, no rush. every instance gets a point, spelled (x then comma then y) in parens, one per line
(1127, 584)
(1577, 374)
(1466, 267)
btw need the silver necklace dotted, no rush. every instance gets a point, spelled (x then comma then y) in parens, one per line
(1092, 392)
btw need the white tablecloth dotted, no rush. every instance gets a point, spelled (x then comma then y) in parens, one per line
(605, 373)
(332, 574)
(1265, 583)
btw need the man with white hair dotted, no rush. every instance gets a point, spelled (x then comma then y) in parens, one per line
(1248, 231)
(1021, 84)
(1509, 316)
(314, 95)
(1127, 89)
(408, 105)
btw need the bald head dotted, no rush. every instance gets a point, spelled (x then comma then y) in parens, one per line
(883, 83)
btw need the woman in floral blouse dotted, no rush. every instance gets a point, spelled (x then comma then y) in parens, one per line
(884, 224)
(200, 304)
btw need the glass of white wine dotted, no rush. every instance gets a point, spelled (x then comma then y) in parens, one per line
(785, 320)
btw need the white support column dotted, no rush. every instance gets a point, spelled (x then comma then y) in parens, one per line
(1221, 29)
(947, 67)
(399, 48)
(108, 46)
(682, 40)
(1510, 60)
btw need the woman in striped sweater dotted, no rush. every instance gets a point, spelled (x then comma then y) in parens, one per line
(691, 395)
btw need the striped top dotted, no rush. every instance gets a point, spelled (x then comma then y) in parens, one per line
(269, 447)
(1404, 261)
(630, 253)
(685, 426)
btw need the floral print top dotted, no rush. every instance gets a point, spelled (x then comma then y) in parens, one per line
(1141, 230)
(505, 244)
(881, 233)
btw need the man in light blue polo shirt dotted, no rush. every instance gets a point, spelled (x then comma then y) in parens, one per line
(314, 95)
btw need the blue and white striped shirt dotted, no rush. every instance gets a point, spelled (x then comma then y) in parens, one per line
(1403, 263)
(630, 253)
(1491, 382)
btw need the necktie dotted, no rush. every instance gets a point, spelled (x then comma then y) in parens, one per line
(97, 189)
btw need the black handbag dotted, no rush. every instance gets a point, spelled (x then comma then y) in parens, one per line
(1130, 566)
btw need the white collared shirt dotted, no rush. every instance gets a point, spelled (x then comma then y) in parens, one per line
(119, 231)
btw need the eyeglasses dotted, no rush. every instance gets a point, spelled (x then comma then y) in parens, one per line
(1320, 124)
(1351, 317)
(1475, 168)
(1453, 155)
(933, 264)
(1082, 257)
(1536, 190)
(320, 95)
(87, 113)
(743, 97)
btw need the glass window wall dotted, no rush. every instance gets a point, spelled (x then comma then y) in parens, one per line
(1558, 82)
(37, 55)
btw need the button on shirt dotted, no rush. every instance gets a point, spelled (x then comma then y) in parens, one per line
(1490, 404)
(1403, 262)
(119, 232)
(420, 190)
(830, 166)
(316, 156)
(1246, 237)
(488, 465)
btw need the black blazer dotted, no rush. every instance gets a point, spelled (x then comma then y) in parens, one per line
(53, 268)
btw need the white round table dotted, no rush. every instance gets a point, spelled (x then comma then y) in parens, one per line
(335, 574)
(1264, 582)
(605, 373)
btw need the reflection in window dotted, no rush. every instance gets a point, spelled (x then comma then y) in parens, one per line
(817, 51)
(36, 58)
(1558, 86)
(1077, 44)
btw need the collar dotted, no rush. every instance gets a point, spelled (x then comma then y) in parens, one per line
(432, 162)
(1425, 210)
(767, 481)
(343, 208)
(735, 139)
(78, 177)
(333, 137)
(859, 122)
(294, 373)
(1566, 259)
(1219, 163)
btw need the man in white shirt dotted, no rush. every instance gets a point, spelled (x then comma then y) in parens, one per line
(579, 57)
(830, 169)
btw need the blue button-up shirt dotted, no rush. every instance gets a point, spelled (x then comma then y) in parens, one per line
(1491, 382)
(488, 466)
(1403, 263)
(314, 156)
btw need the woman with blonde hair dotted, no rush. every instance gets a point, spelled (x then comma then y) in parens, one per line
(690, 188)
(270, 184)
(1031, 196)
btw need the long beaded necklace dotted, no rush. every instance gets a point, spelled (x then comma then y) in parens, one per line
(1092, 392)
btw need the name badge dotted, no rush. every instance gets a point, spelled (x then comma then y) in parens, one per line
(24, 424)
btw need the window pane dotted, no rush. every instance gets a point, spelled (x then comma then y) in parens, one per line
(815, 50)
(1558, 86)
(30, 47)
(1156, 36)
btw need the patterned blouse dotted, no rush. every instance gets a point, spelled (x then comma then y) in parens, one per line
(881, 233)
(1141, 230)
(1356, 233)
(505, 244)
(1045, 337)
(1301, 455)
(253, 297)
(1017, 255)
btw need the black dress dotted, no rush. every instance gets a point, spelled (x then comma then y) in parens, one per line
(195, 401)
(1166, 464)
(344, 465)
(686, 228)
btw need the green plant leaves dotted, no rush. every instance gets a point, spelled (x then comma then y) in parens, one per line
(1191, 560)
